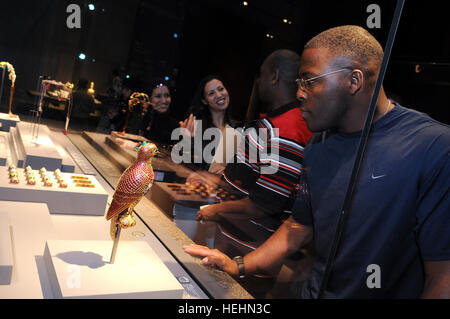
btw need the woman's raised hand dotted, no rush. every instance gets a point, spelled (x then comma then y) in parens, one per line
(189, 124)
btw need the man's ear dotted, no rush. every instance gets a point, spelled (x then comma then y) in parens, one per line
(356, 81)
(275, 77)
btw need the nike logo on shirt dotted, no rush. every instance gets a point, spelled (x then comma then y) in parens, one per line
(377, 177)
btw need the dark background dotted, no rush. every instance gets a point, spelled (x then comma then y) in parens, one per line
(223, 37)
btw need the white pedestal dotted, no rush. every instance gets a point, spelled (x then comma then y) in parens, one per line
(6, 121)
(81, 269)
(31, 227)
(4, 149)
(6, 253)
(16, 148)
(39, 148)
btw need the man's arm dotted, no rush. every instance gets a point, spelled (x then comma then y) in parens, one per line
(204, 177)
(289, 237)
(437, 280)
(243, 208)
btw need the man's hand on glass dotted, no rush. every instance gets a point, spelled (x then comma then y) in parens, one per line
(213, 258)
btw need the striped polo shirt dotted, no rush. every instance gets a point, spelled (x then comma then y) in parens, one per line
(268, 164)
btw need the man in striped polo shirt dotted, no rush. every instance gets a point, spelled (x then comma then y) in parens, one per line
(268, 163)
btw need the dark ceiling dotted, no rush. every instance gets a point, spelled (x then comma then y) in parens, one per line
(136, 38)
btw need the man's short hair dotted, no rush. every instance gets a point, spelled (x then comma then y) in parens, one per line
(349, 41)
(287, 63)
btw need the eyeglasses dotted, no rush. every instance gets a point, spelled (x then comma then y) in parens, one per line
(305, 84)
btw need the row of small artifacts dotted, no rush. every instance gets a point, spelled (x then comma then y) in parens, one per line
(80, 181)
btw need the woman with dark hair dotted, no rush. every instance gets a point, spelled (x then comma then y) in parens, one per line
(158, 124)
(209, 121)
(210, 108)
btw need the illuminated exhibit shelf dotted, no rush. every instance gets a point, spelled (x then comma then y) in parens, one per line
(31, 144)
(81, 269)
(30, 226)
(76, 200)
(4, 148)
(7, 121)
(6, 253)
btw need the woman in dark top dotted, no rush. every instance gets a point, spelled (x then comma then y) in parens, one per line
(158, 124)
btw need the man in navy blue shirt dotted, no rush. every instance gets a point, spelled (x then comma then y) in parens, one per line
(396, 240)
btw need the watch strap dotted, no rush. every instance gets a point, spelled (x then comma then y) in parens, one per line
(241, 268)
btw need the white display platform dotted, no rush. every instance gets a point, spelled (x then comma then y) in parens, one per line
(4, 149)
(39, 148)
(31, 226)
(6, 253)
(68, 164)
(81, 269)
(71, 200)
(16, 148)
(6, 121)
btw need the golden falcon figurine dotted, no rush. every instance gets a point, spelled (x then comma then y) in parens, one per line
(133, 184)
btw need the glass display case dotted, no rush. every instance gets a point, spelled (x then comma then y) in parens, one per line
(61, 160)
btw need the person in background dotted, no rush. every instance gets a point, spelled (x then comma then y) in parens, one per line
(112, 104)
(83, 105)
(210, 109)
(158, 124)
(118, 121)
(396, 240)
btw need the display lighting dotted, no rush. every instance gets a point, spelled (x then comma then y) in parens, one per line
(245, 3)
(166, 78)
(91, 6)
(127, 76)
(175, 35)
(82, 56)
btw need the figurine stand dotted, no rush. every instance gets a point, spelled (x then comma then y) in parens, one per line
(6, 253)
(81, 269)
(115, 245)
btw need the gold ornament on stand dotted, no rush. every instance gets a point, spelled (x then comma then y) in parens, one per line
(69, 84)
(135, 100)
(12, 77)
(91, 90)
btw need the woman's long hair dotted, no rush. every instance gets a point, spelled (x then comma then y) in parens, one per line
(200, 110)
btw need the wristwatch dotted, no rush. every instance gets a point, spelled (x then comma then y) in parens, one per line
(240, 263)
